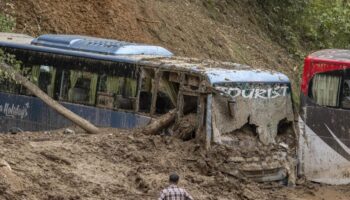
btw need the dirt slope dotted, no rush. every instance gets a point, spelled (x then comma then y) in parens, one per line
(224, 30)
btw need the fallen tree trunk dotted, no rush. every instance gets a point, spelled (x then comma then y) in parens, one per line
(162, 122)
(76, 119)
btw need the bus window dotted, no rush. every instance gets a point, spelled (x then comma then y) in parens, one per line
(9, 86)
(145, 100)
(43, 76)
(46, 80)
(127, 98)
(106, 92)
(325, 89)
(78, 87)
(165, 89)
(110, 89)
(116, 92)
(167, 94)
(63, 85)
(130, 88)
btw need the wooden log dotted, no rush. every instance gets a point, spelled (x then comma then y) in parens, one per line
(76, 119)
(162, 122)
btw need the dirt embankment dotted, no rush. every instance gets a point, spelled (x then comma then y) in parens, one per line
(223, 30)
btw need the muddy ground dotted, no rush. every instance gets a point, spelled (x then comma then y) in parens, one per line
(119, 164)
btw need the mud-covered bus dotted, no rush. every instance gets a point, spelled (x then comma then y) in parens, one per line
(324, 142)
(126, 85)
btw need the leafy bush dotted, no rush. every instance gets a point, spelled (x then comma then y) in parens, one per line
(327, 24)
(10, 60)
(304, 25)
(6, 23)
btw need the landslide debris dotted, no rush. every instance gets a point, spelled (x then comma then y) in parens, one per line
(117, 164)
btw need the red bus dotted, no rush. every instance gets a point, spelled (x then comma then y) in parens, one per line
(324, 142)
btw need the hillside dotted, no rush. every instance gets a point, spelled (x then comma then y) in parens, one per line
(223, 30)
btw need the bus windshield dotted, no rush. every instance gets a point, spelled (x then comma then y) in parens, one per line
(262, 105)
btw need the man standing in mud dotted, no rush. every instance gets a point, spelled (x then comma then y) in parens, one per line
(173, 192)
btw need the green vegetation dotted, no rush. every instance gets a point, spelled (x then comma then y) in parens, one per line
(10, 60)
(304, 25)
(6, 23)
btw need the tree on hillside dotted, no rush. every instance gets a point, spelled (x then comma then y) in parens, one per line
(308, 24)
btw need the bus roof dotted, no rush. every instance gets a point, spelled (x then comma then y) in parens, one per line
(15, 38)
(116, 51)
(322, 61)
(98, 45)
(339, 55)
(224, 75)
(219, 72)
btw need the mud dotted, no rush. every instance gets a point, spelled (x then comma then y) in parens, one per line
(119, 164)
(112, 165)
(185, 127)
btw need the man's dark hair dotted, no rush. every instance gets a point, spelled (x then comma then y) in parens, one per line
(174, 178)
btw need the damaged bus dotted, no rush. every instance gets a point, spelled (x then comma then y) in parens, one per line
(324, 141)
(125, 85)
